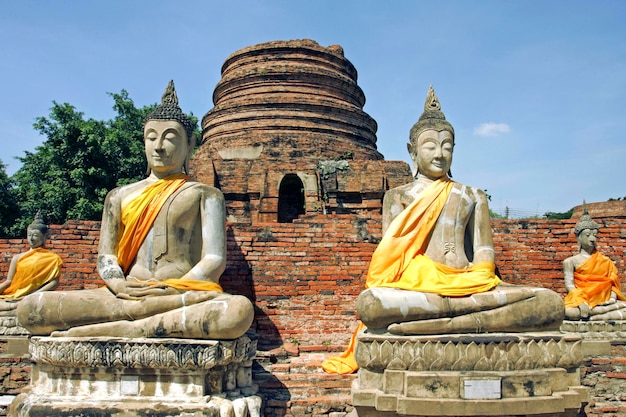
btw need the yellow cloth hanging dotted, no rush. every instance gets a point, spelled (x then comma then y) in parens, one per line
(139, 216)
(33, 270)
(408, 234)
(594, 280)
(191, 284)
(424, 275)
(345, 363)
(399, 262)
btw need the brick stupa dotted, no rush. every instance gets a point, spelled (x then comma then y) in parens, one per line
(288, 136)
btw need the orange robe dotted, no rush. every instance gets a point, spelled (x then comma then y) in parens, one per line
(139, 215)
(33, 270)
(594, 280)
(399, 262)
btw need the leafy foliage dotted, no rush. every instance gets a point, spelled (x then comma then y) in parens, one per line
(69, 175)
(8, 203)
(559, 216)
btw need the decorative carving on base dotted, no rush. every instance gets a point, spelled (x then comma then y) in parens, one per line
(469, 374)
(468, 352)
(10, 327)
(74, 375)
(596, 330)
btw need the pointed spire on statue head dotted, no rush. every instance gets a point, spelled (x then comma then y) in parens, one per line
(168, 109)
(585, 222)
(432, 117)
(39, 222)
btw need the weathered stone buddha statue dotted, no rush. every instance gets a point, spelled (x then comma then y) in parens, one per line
(35, 270)
(162, 251)
(433, 271)
(593, 287)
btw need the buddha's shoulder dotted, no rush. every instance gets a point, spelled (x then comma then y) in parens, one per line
(202, 190)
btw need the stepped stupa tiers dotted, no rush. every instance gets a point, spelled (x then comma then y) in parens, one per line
(288, 135)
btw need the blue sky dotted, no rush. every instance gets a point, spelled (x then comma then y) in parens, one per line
(536, 90)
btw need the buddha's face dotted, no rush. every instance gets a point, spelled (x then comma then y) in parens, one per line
(167, 146)
(431, 152)
(36, 238)
(587, 239)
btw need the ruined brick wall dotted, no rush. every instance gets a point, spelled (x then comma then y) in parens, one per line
(605, 376)
(305, 276)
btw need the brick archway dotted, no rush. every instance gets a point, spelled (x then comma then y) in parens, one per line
(290, 198)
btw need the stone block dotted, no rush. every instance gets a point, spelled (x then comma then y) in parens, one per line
(433, 384)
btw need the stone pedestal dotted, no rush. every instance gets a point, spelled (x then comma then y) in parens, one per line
(140, 377)
(596, 330)
(10, 327)
(496, 374)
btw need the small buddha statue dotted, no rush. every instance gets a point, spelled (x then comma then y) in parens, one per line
(36, 270)
(162, 251)
(593, 287)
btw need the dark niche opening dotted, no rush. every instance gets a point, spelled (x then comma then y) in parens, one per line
(290, 198)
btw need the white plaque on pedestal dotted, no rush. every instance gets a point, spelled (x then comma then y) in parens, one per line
(482, 389)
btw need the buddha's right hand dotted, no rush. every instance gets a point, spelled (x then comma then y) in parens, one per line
(134, 289)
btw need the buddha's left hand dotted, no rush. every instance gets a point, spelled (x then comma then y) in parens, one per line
(136, 290)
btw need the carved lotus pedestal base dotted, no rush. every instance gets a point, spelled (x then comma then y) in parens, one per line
(10, 327)
(140, 377)
(600, 330)
(496, 374)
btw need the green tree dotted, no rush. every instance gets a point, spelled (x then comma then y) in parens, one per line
(559, 216)
(9, 209)
(69, 175)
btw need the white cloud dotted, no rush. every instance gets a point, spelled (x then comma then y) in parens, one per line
(491, 129)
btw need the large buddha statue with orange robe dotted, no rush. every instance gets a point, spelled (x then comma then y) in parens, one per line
(162, 251)
(593, 287)
(35, 270)
(433, 271)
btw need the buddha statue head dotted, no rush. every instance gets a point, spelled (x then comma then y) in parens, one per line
(37, 231)
(586, 230)
(431, 140)
(168, 135)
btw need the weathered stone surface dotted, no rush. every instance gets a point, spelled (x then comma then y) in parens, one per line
(597, 330)
(469, 352)
(10, 327)
(79, 376)
(469, 375)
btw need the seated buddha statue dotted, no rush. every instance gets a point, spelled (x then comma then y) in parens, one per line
(593, 287)
(162, 251)
(36, 270)
(433, 271)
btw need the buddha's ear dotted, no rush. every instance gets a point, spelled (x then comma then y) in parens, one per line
(415, 169)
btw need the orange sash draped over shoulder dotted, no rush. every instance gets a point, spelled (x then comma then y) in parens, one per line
(594, 280)
(139, 216)
(399, 260)
(407, 235)
(34, 269)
